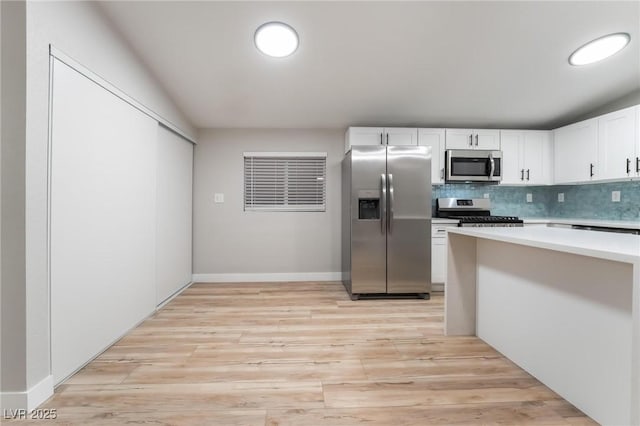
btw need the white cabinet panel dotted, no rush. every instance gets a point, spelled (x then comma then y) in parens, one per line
(401, 136)
(103, 189)
(363, 136)
(173, 213)
(435, 139)
(438, 260)
(473, 139)
(526, 157)
(380, 136)
(513, 172)
(617, 140)
(459, 138)
(487, 139)
(439, 252)
(575, 152)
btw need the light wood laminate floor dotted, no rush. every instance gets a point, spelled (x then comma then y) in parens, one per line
(302, 354)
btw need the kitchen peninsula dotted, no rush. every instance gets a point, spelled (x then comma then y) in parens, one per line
(563, 304)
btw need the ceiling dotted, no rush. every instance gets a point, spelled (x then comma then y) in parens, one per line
(432, 64)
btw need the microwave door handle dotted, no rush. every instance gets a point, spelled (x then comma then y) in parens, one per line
(383, 203)
(492, 166)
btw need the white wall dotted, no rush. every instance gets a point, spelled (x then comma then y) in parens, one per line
(230, 243)
(12, 133)
(79, 30)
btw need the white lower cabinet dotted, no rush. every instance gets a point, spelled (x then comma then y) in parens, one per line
(439, 254)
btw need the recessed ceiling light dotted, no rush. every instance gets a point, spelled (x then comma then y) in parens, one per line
(599, 49)
(276, 39)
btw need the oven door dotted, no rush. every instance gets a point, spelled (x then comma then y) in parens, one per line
(473, 166)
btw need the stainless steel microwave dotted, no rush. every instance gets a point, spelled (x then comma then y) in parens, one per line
(473, 165)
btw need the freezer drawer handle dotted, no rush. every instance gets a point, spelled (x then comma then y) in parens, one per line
(390, 203)
(383, 204)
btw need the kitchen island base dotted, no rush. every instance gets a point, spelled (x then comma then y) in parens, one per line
(568, 319)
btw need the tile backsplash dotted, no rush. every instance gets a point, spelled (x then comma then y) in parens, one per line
(589, 201)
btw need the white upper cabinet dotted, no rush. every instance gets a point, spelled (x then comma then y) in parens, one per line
(526, 157)
(618, 144)
(576, 152)
(435, 139)
(473, 139)
(380, 136)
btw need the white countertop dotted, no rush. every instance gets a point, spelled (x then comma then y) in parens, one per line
(586, 222)
(604, 245)
(438, 220)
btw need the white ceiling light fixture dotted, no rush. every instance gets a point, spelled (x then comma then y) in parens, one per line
(599, 49)
(276, 39)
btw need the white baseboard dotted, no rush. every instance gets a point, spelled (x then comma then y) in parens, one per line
(27, 400)
(293, 276)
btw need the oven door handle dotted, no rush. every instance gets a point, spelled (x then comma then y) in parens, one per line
(492, 166)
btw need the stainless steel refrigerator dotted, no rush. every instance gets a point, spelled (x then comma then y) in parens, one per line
(386, 221)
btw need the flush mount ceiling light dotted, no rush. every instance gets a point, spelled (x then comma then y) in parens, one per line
(276, 39)
(599, 49)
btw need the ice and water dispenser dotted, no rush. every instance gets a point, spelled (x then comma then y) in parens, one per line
(368, 205)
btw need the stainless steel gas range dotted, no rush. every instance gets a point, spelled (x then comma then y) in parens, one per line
(473, 212)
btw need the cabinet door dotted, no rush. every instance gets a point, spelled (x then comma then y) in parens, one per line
(438, 259)
(637, 154)
(363, 136)
(536, 157)
(512, 168)
(401, 136)
(459, 139)
(575, 149)
(435, 139)
(486, 139)
(616, 144)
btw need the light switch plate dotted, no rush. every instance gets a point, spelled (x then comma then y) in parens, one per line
(485, 195)
(561, 197)
(615, 196)
(529, 198)
(218, 198)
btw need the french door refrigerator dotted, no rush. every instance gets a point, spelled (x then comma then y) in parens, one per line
(386, 221)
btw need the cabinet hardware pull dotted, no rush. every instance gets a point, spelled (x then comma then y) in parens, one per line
(528, 173)
(591, 170)
(476, 139)
(637, 164)
(471, 140)
(381, 142)
(522, 174)
(628, 165)
(387, 138)
(442, 173)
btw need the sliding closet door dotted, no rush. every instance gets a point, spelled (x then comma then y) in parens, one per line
(173, 226)
(103, 185)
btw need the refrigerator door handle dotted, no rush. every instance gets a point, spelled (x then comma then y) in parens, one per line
(390, 203)
(383, 202)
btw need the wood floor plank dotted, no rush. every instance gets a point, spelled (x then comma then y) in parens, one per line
(518, 413)
(302, 354)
